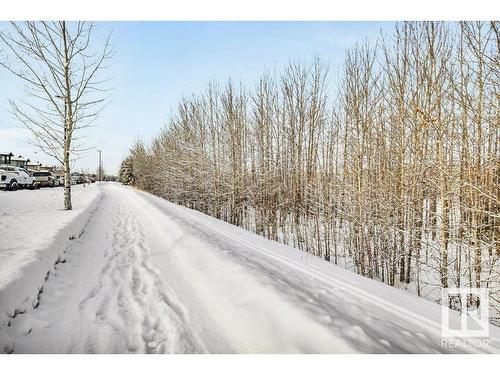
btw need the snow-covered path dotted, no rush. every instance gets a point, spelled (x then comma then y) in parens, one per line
(150, 276)
(106, 296)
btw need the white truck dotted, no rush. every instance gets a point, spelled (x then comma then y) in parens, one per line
(13, 178)
(45, 178)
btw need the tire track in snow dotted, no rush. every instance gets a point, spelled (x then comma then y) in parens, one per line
(202, 227)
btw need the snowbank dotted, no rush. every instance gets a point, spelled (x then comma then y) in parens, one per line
(35, 232)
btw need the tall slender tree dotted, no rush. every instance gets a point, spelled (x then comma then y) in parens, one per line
(60, 64)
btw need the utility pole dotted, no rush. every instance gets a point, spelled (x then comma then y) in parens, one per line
(99, 167)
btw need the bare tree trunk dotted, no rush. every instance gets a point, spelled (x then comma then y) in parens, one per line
(68, 127)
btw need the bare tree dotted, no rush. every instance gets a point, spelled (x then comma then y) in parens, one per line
(60, 66)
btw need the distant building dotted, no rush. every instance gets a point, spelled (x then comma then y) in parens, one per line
(8, 158)
(19, 162)
(5, 157)
(39, 167)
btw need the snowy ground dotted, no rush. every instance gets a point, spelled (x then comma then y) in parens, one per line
(146, 275)
(35, 234)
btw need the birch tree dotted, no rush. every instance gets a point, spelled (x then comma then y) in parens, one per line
(60, 65)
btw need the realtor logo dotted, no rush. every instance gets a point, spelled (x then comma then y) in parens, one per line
(473, 305)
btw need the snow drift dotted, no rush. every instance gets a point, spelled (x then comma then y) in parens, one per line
(34, 235)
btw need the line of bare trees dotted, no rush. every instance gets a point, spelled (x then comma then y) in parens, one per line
(391, 170)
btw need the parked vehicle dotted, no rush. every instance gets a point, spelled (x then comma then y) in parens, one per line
(13, 178)
(46, 178)
(59, 180)
(77, 179)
